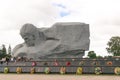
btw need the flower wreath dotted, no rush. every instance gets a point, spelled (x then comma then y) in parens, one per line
(62, 70)
(79, 70)
(98, 70)
(109, 63)
(34, 63)
(68, 63)
(47, 70)
(117, 70)
(18, 70)
(32, 70)
(56, 63)
(81, 63)
(6, 70)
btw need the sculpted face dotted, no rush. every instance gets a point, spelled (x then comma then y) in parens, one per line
(31, 35)
(29, 39)
(28, 32)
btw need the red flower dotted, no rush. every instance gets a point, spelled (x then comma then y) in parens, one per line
(109, 63)
(56, 63)
(68, 63)
(34, 63)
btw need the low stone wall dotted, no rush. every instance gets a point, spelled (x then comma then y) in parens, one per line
(88, 66)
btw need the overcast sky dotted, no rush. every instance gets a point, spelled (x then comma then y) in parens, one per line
(102, 15)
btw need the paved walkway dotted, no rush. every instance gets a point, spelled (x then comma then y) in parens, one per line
(57, 77)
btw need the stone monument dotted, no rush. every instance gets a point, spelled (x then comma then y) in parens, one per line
(62, 40)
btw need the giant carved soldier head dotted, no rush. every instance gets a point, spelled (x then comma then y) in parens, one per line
(31, 35)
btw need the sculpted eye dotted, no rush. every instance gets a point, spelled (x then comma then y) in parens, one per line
(25, 38)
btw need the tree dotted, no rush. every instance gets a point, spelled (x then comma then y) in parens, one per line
(91, 54)
(114, 46)
(4, 49)
(3, 52)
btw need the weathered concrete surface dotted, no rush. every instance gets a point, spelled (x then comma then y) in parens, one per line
(67, 39)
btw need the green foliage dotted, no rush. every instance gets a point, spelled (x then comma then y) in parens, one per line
(99, 56)
(4, 49)
(8, 56)
(114, 46)
(98, 70)
(3, 52)
(91, 54)
(2, 56)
